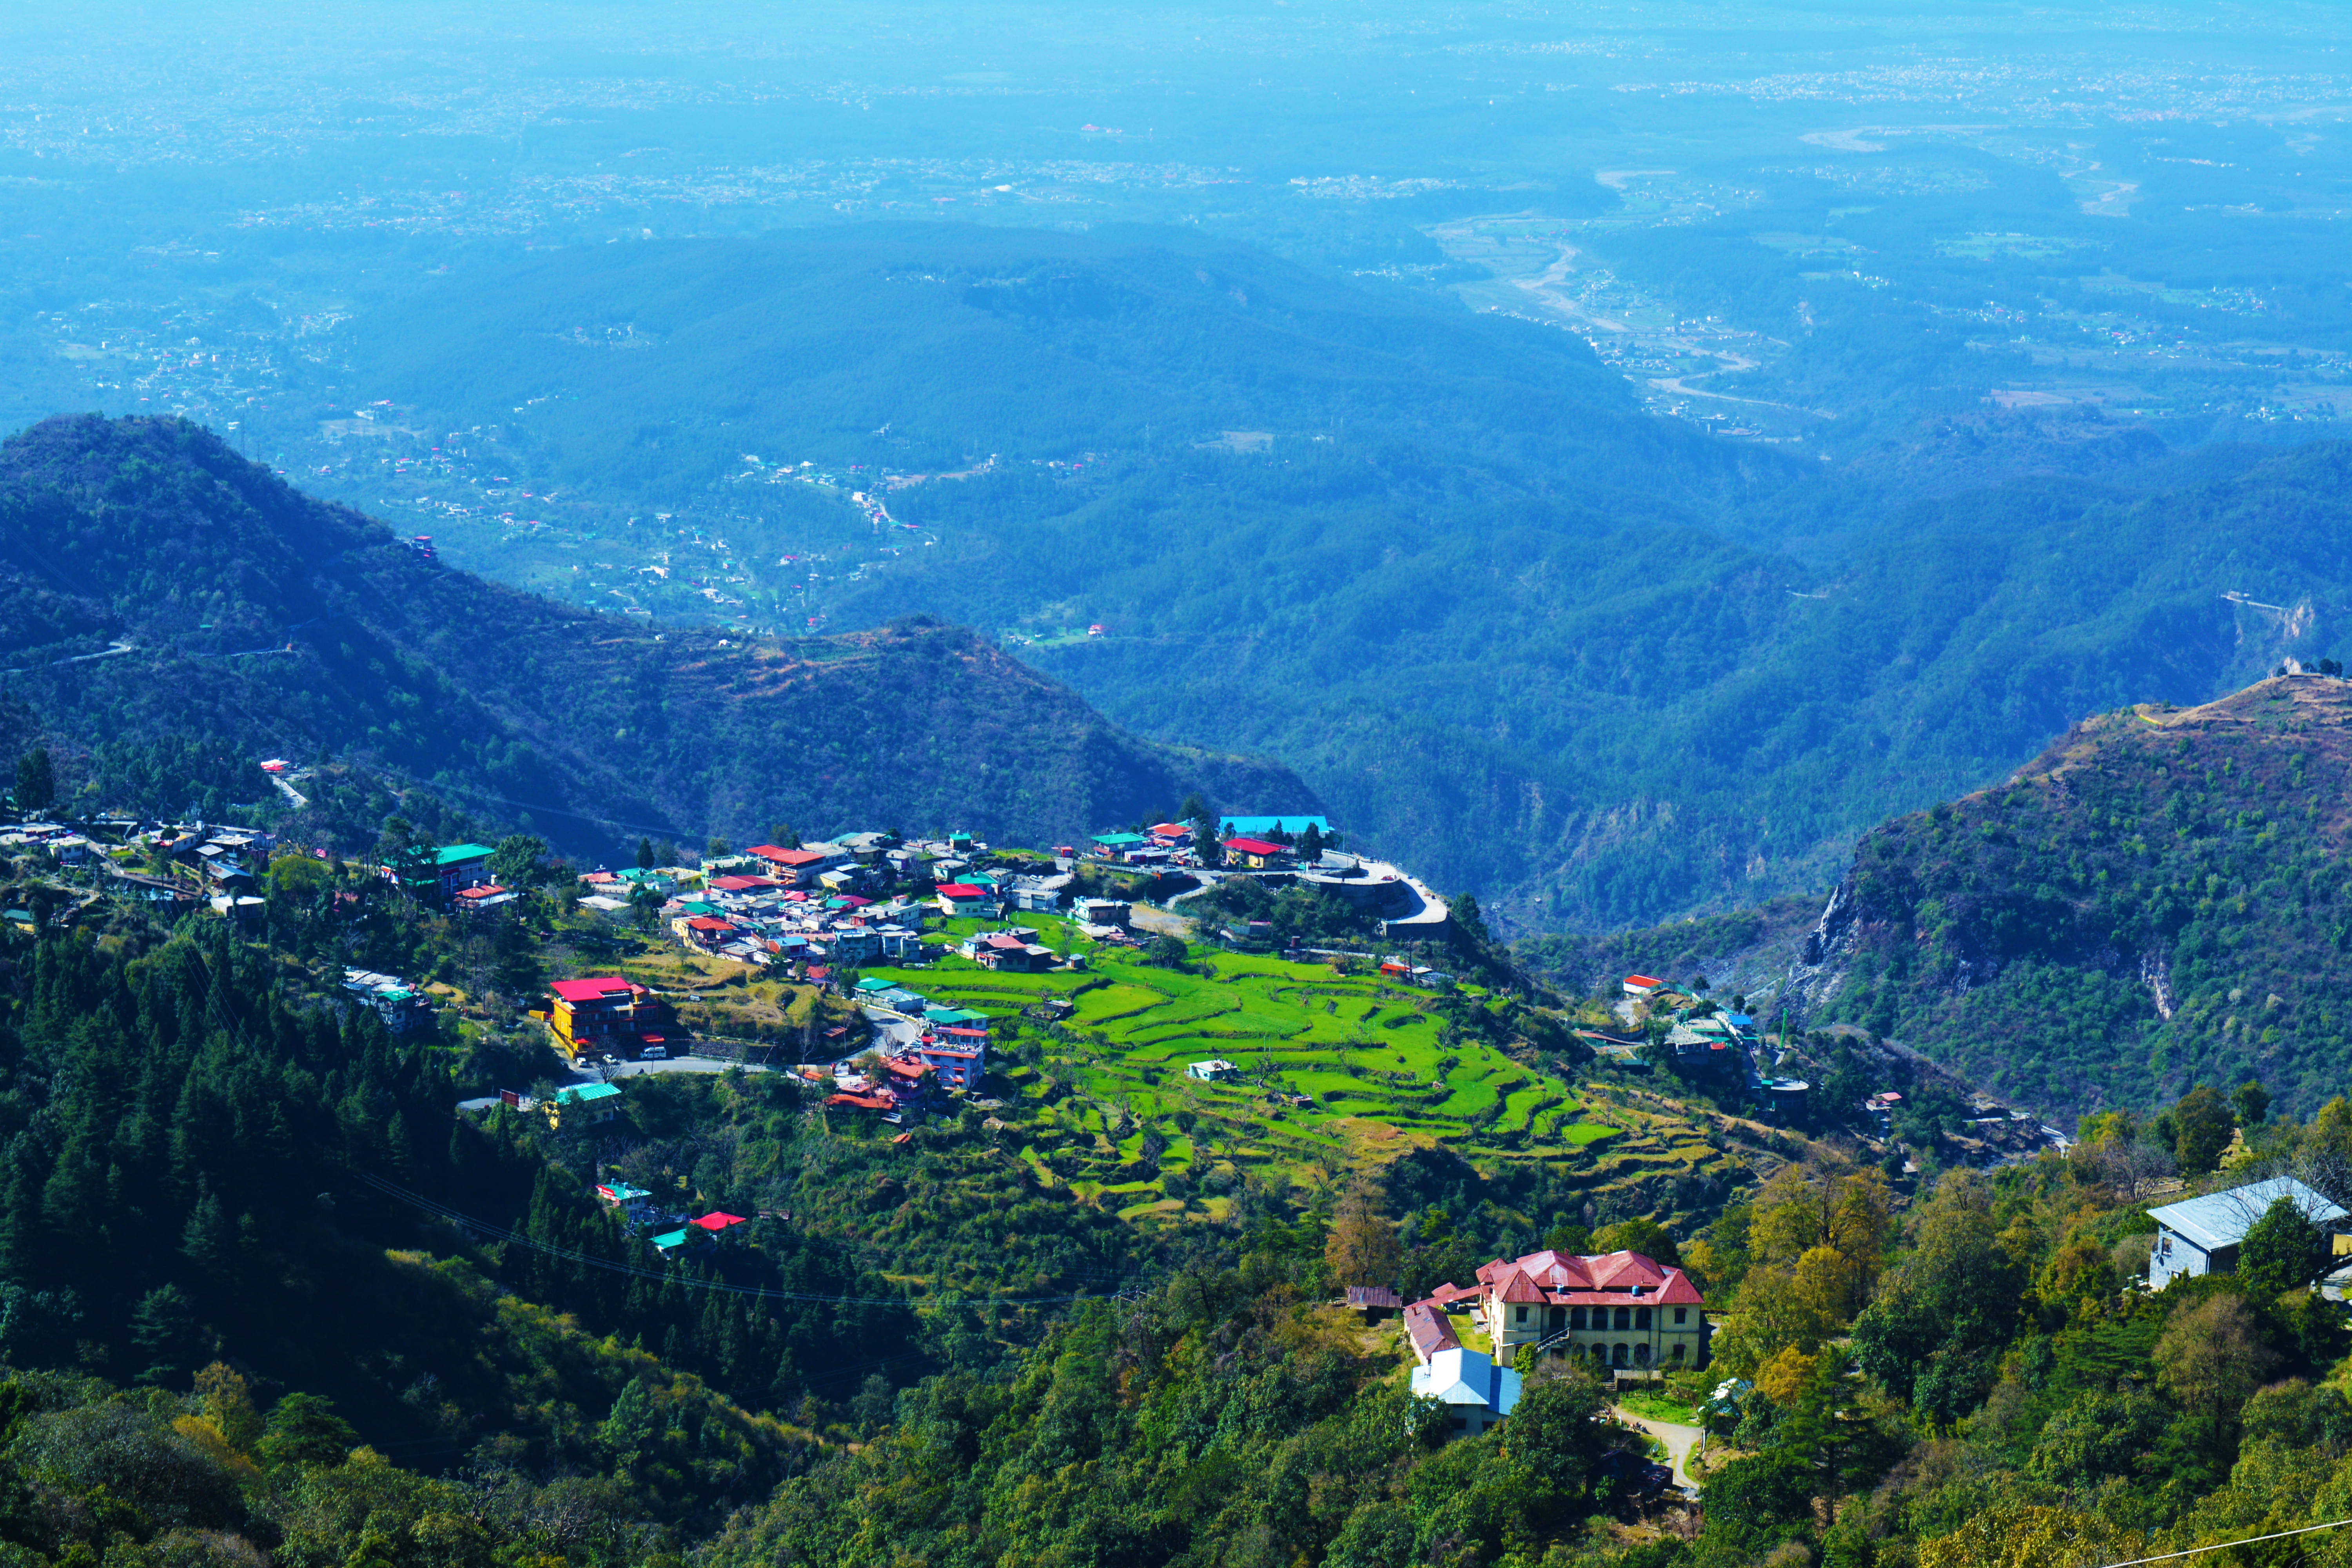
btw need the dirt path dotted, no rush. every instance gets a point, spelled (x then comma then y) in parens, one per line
(1679, 1441)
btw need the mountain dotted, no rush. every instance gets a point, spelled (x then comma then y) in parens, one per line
(1598, 668)
(2158, 900)
(163, 598)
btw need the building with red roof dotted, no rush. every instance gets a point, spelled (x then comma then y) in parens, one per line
(1617, 1311)
(798, 867)
(1259, 853)
(1427, 1330)
(603, 1014)
(965, 898)
(717, 1222)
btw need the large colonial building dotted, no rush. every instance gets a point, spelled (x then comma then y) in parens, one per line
(1616, 1310)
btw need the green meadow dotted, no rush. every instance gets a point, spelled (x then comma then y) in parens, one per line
(1333, 1071)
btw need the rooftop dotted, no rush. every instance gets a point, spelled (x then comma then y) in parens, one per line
(2221, 1219)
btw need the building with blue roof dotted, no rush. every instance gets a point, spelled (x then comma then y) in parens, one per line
(1259, 827)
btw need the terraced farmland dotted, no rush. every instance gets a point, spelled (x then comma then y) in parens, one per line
(1336, 1071)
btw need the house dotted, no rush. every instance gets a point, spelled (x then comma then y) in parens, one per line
(1375, 1302)
(634, 1204)
(1111, 845)
(857, 1101)
(584, 1105)
(705, 931)
(908, 1081)
(1476, 1392)
(957, 1066)
(488, 896)
(972, 1038)
(1258, 854)
(1617, 1311)
(800, 868)
(1116, 912)
(605, 1013)
(964, 899)
(671, 1243)
(1171, 834)
(1043, 894)
(2201, 1235)
(1215, 1070)
(1008, 949)
(1428, 1330)
(1641, 986)
(454, 867)
(391, 1000)
(718, 1223)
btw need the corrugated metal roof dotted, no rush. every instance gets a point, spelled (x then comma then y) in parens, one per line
(2221, 1219)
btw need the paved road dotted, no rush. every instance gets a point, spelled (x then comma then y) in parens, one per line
(631, 1069)
(1679, 1441)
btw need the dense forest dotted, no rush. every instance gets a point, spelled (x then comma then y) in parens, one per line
(2158, 900)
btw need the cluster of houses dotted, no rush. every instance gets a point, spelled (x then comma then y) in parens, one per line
(1627, 1317)
(946, 1056)
(671, 1231)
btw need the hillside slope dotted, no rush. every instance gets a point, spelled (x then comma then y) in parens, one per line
(227, 607)
(2159, 899)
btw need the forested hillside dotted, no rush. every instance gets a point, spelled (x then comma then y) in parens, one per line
(233, 617)
(2159, 899)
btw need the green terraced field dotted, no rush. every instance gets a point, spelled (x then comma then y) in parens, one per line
(1368, 1056)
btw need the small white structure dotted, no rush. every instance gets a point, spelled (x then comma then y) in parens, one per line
(1476, 1392)
(1215, 1069)
(2201, 1235)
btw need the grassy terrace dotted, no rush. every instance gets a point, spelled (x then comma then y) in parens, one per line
(1368, 1055)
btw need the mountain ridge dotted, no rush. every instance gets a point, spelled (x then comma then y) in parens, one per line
(263, 617)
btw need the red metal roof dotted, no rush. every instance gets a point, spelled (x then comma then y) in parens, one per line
(1566, 1280)
(708, 922)
(591, 990)
(963, 890)
(1256, 847)
(863, 1102)
(1428, 1329)
(719, 1220)
(1518, 1287)
(744, 884)
(786, 856)
(1643, 980)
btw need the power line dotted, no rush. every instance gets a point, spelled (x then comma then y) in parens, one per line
(506, 1234)
(503, 1233)
(2219, 1545)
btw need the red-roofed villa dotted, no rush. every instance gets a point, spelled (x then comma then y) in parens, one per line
(1616, 1310)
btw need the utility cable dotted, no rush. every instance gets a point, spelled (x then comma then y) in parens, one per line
(503, 1233)
(2220, 1545)
(762, 1292)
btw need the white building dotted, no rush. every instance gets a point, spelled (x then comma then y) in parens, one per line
(1215, 1069)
